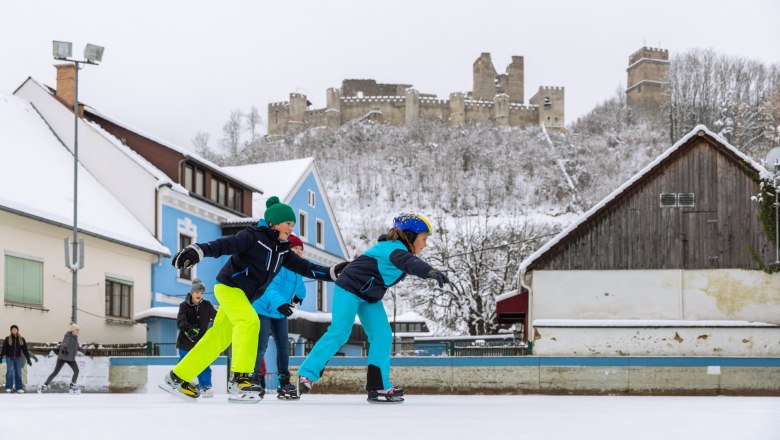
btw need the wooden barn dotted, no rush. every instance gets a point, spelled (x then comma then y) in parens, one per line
(664, 265)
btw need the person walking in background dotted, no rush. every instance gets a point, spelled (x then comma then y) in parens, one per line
(273, 309)
(359, 291)
(195, 315)
(14, 346)
(256, 256)
(67, 355)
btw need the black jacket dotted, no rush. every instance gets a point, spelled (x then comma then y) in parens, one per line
(69, 347)
(193, 315)
(256, 256)
(14, 347)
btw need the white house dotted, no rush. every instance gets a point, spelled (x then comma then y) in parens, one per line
(36, 215)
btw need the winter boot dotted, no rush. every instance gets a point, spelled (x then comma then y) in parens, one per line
(243, 390)
(304, 385)
(180, 388)
(20, 391)
(73, 389)
(206, 392)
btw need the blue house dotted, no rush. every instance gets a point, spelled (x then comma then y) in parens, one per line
(298, 184)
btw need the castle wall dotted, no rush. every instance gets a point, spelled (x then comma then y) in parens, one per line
(393, 108)
(435, 109)
(369, 87)
(479, 111)
(278, 115)
(549, 101)
(647, 70)
(523, 115)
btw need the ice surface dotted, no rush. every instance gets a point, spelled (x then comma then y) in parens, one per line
(160, 416)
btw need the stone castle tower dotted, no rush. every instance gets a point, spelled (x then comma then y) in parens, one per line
(496, 98)
(647, 69)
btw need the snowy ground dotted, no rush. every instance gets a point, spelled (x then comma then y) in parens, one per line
(153, 416)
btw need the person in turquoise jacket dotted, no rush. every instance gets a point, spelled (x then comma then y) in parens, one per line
(273, 309)
(359, 290)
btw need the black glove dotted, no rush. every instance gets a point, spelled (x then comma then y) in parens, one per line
(285, 309)
(440, 277)
(296, 300)
(335, 270)
(187, 257)
(34, 357)
(191, 333)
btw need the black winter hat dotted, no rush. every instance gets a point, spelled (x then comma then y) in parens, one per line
(14, 326)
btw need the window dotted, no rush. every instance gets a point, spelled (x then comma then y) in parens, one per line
(188, 172)
(302, 229)
(321, 303)
(231, 196)
(685, 200)
(23, 280)
(200, 181)
(221, 190)
(311, 198)
(668, 200)
(119, 296)
(184, 241)
(320, 233)
(238, 200)
(213, 193)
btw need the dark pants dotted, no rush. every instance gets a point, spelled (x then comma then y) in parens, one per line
(13, 373)
(279, 329)
(73, 366)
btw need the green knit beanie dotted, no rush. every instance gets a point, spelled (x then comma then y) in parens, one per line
(277, 212)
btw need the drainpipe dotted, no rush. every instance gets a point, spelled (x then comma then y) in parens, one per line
(157, 228)
(529, 316)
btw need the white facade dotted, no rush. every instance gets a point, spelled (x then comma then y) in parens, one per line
(26, 237)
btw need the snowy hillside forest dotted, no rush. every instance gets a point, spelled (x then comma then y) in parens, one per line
(496, 194)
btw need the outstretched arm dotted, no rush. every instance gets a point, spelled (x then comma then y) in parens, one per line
(308, 269)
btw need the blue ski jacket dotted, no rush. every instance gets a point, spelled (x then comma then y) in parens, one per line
(382, 266)
(281, 291)
(256, 256)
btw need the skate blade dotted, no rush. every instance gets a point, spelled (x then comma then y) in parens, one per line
(245, 398)
(74, 392)
(163, 386)
(283, 397)
(394, 400)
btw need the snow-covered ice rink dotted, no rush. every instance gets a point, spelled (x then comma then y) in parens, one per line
(160, 416)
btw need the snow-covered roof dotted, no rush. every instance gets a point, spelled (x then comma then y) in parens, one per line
(507, 295)
(181, 150)
(36, 180)
(645, 323)
(275, 178)
(167, 312)
(407, 317)
(528, 262)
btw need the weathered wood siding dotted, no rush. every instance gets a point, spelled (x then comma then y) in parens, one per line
(635, 232)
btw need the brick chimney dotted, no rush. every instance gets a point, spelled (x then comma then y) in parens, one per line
(66, 82)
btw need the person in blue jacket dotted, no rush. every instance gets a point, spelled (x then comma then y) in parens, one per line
(273, 309)
(359, 291)
(256, 256)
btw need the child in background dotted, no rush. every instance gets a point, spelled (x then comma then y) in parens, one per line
(359, 291)
(67, 355)
(273, 309)
(195, 315)
(256, 256)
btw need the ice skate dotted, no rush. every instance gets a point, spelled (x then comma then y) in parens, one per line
(8, 390)
(173, 384)
(206, 392)
(287, 392)
(43, 389)
(390, 395)
(20, 391)
(73, 389)
(304, 385)
(243, 390)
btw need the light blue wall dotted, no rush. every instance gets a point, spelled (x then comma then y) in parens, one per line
(300, 202)
(164, 278)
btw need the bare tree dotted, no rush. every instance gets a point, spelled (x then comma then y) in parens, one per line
(253, 123)
(481, 261)
(201, 142)
(231, 134)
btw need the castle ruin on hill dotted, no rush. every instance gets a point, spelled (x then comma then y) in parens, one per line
(496, 98)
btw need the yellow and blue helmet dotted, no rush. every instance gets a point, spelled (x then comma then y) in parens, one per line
(414, 223)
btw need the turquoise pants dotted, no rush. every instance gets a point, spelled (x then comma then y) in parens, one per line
(375, 324)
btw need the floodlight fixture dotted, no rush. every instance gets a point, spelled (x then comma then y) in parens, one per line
(61, 49)
(93, 53)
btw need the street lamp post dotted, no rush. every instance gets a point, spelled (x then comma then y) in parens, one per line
(93, 54)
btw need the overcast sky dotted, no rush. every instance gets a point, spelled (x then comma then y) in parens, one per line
(174, 68)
